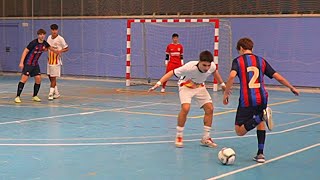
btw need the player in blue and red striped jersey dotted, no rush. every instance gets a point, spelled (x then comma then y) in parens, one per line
(30, 66)
(252, 108)
(174, 57)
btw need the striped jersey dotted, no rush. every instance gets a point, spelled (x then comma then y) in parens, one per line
(58, 43)
(251, 70)
(35, 50)
(175, 51)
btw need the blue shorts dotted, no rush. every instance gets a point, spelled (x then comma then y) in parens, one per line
(31, 70)
(246, 113)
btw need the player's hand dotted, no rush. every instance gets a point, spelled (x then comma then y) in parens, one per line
(166, 62)
(225, 99)
(295, 91)
(155, 86)
(21, 66)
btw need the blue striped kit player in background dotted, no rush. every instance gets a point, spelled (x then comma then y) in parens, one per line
(252, 109)
(30, 66)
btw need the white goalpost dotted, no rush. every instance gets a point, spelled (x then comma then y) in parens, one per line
(211, 30)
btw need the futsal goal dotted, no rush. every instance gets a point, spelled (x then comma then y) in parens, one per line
(147, 40)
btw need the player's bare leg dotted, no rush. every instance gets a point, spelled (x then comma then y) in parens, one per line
(207, 121)
(53, 83)
(182, 118)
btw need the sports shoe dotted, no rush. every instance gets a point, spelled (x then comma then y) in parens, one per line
(50, 97)
(17, 99)
(163, 90)
(267, 117)
(36, 98)
(56, 96)
(207, 141)
(259, 158)
(179, 142)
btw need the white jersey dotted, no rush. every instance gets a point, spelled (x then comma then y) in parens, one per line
(190, 73)
(57, 43)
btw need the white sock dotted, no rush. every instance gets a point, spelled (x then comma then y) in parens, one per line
(56, 90)
(51, 91)
(206, 131)
(179, 131)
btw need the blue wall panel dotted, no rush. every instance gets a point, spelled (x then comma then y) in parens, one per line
(98, 46)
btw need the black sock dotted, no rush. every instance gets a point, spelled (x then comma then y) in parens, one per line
(252, 123)
(20, 88)
(36, 88)
(261, 135)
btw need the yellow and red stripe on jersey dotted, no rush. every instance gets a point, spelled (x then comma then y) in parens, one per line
(191, 84)
(53, 58)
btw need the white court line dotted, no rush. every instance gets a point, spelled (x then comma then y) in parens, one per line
(111, 138)
(294, 122)
(293, 113)
(144, 142)
(268, 161)
(76, 114)
(80, 106)
(147, 137)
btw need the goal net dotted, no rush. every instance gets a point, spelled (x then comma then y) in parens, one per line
(147, 42)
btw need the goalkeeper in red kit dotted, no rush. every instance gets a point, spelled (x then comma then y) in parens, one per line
(174, 57)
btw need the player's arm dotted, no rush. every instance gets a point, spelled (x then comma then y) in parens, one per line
(286, 83)
(64, 50)
(271, 73)
(228, 88)
(181, 55)
(218, 77)
(164, 78)
(64, 45)
(23, 56)
(166, 59)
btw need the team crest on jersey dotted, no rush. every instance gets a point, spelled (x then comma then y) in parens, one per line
(178, 49)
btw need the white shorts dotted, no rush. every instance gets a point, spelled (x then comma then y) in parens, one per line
(54, 70)
(201, 95)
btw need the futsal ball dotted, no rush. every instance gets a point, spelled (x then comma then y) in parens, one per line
(227, 156)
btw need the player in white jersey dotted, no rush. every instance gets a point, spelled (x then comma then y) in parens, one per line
(191, 85)
(54, 60)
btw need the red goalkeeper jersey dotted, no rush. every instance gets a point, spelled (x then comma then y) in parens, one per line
(175, 51)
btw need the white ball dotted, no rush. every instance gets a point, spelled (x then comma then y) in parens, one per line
(227, 156)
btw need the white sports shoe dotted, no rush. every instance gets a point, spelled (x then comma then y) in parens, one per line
(163, 90)
(259, 158)
(207, 141)
(179, 142)
(50, 97)
(267, 117)
(56, 96)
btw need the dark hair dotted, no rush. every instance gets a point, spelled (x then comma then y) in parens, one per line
(54, 27)
(206, 56)
(175, 35)
(41, 31)
(245, 43)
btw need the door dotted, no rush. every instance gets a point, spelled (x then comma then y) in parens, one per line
(9, 54)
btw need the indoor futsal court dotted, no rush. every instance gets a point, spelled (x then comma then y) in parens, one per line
(107, 131)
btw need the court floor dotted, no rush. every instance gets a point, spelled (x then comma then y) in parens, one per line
(103, 130)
